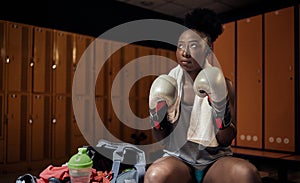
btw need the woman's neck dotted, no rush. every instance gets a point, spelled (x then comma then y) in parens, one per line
(193, 74)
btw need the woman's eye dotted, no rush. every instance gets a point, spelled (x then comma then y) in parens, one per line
(180, 46)
(193, 45)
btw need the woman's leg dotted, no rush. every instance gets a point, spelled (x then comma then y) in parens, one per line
(232, 170)
(169, 169)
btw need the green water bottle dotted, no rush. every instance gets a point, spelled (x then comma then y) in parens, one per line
(80, 167)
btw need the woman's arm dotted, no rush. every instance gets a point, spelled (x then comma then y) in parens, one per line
(225, 136)
(161, 127)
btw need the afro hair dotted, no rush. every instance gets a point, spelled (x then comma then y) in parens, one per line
(204, 20)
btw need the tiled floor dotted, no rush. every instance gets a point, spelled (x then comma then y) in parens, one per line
(270, 175)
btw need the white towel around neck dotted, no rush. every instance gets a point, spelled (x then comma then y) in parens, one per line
(201, 129)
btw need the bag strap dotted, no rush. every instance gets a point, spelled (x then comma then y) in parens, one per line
(118, 157)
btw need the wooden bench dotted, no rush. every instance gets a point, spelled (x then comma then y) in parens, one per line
(281, 160)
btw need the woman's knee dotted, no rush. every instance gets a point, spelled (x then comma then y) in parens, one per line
(168, 169)
(155, 173)
(232, 170)
(246, 171)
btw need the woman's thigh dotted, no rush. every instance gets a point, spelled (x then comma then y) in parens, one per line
(231, 170)
(169, 169)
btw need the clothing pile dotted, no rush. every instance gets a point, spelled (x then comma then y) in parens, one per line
(112, 163)
(60, 174)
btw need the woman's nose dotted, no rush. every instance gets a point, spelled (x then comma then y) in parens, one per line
(186, 53)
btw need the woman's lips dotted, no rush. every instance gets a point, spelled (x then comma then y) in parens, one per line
(185, 62)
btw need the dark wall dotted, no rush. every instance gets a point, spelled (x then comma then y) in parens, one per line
(89, 17)
(94, 17)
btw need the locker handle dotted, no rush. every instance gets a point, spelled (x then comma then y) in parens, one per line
(53, 120)
(31, 63)
(7, 60)
(30, 120)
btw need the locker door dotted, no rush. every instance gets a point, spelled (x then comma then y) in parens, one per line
(224, 50)
(129, 55)
(102, 49)
(62, 56)
(83, 125)
(249, 82)
(143, 112)
(128, 123)
(144, 67)
(101, 111)
(114, 65)
(43, 46)
(2, 54)
(1, 127)
(59, 128)
(113, 124)
(279, 76)
(164, 65)
(39, 125)
(143, 86)
(83, 52)
(18, 117)
(18, 55)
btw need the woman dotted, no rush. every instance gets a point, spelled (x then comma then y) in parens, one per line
(192, 113)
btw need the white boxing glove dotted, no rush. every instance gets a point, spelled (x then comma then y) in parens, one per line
(211, 82)
(163, 88)
(163, 91)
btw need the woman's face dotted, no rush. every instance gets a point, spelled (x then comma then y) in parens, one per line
(191, 51)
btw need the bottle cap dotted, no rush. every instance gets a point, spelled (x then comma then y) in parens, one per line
(80, 160)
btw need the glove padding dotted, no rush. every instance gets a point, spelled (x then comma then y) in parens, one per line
(163, 91)
(211, 82)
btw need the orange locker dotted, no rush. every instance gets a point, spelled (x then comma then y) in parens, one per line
(58, 128)
(1, 127)
(113, 124)
(114, 95)
(101, 116)
(143, 113)
(144, 68)
(18, 56)
(2, 142)
(42, 60)
(61, 64)
(128, 61)
(224, 51)
(128, 120)
(2, 112)
(84, 119)
(102, 51)
(38, 133)
(82, 52)
(166, 60)
(76, 137)
(279, 80)
(113, 65)
(131, 71)
(2, 54)
(17, 120)
(249, 82)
